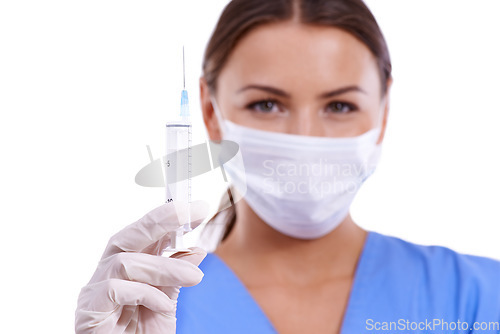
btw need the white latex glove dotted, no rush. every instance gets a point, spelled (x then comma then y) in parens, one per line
(134, 289)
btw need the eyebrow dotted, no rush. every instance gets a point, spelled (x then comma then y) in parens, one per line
(268, 89)
(325, 95)
(342, 91)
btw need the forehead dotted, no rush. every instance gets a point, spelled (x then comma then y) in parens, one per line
(289, 52)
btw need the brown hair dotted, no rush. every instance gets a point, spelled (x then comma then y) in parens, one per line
(240, 16)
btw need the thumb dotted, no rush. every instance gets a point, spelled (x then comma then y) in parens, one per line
(194, 256)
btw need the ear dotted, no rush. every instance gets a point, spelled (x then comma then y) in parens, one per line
(386, 103)
(207, 109)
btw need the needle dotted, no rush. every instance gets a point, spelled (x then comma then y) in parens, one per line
(183, 69)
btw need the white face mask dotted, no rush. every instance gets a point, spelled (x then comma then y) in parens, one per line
(302, 186)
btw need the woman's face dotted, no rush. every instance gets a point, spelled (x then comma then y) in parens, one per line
(299, 79)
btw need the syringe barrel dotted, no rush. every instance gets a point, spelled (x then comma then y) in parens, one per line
(178, 164)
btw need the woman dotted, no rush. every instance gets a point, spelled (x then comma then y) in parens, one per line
(300, 86)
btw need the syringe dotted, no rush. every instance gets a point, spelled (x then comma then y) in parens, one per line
(178, 164)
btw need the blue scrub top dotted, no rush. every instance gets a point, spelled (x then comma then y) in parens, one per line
(399, 287)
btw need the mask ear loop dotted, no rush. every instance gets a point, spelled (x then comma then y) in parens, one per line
(381, 117)
(218, 115)
(223, 129)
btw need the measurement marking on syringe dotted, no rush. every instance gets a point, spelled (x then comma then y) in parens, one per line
(178, 179)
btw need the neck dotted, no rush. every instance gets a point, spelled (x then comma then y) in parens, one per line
(254, 248)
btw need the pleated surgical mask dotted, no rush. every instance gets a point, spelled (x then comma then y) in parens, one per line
(302, 186)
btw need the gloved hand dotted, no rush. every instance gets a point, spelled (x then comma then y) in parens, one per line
(134, 290)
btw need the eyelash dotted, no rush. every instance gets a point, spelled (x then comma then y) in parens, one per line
(253, 106)
(352, 107)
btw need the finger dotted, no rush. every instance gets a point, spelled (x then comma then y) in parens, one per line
(154, 227)
(104, 296)
(171, 291)
(149, 269)
(151, 323)
(195, 256)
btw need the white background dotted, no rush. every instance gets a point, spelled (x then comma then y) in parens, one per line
(86, 85)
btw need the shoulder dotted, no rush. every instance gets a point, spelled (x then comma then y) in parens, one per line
(437, 260)
(437, 278)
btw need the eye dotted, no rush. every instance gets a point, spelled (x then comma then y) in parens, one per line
(341, 107)
(264, 106)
